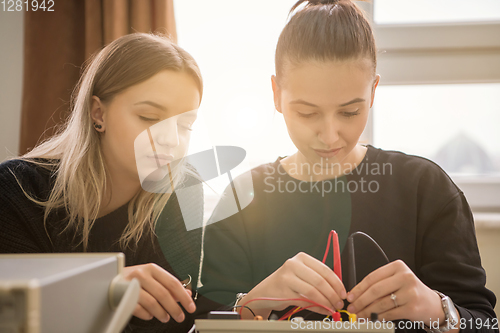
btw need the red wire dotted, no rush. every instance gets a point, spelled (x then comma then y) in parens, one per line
(288, 314)
(337, 265)
(327, 246)
(285, 317)
(337, 269)
(286, 299)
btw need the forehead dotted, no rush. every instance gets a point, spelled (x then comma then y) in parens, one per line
(327, 79)
(175, 90)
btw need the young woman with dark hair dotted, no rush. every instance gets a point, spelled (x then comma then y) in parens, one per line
(324, 87)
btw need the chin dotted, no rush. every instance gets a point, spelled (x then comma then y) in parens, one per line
(157, 181)
(157, 174)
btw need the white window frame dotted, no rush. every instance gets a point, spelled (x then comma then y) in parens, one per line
(455, 54)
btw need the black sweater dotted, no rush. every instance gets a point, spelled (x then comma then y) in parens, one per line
(22, 231)
(408, 204)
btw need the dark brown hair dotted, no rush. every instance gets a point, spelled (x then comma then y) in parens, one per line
(325, 30)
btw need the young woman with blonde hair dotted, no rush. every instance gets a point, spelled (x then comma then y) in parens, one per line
(80, 191)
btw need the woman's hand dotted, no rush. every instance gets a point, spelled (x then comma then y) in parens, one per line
(160, 292)
(413, 299)
(300, 277)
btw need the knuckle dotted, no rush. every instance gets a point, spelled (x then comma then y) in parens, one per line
(400, 263)
(387, 303)
(175, 311)
(170, 282)
(326, 288)
(332, 297)
(301, 255)
(149, 303)
(163, 294)
(289, 262)
(413, 307)
(151, 267)
(139, 274)
(287, 278)
(375, 290)
(413, 293)
(369, 279)
(318, 281)
(409, 278)
(310, 292)
(359, 304)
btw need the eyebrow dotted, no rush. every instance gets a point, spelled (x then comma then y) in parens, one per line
(153, 104)
(356, 100)
(301, 101)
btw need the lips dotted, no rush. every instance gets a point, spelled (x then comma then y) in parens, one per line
(161, 159)
(326, 153)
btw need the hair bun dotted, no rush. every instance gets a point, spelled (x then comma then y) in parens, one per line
(314, 3)
(325, 2)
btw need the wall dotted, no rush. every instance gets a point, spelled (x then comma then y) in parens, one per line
(488, 234)
(11, 73)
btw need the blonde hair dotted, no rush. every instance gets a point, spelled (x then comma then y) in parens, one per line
(74, 153)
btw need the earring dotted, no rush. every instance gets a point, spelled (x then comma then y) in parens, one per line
(97, 126)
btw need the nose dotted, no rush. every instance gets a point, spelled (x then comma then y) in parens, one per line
(329, 132)
(167, 133)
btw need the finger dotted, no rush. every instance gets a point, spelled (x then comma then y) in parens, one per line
(164, 297)
(302, 289)
(141, 313)
(374, 277)
(319, 283)
(382, 305)
(327, 274)
(175, 288)
(375, 292)
(393, 314)
(151, 305)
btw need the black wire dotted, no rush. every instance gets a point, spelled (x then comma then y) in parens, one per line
(353, 264)
(350, 245)
(244, 306)
(373, 241)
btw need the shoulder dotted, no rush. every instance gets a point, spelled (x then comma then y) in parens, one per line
(268, 169)
(22, 226)
(410, 171)
(403, 161)
(32, 177)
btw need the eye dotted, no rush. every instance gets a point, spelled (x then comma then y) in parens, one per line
(350, 114)
(306, 115)
(187, 127)
(148, 119)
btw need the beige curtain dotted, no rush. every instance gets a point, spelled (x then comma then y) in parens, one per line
(57, 43)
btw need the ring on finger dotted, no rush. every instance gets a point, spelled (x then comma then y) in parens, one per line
(393, 297)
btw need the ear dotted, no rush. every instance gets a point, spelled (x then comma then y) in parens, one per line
(97, 113)
(276, 93)
(375, 85)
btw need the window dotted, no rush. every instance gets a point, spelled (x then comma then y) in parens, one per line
(440, 67)
(432, 11)
(234, 44)
(415, 114)
(439, 60)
